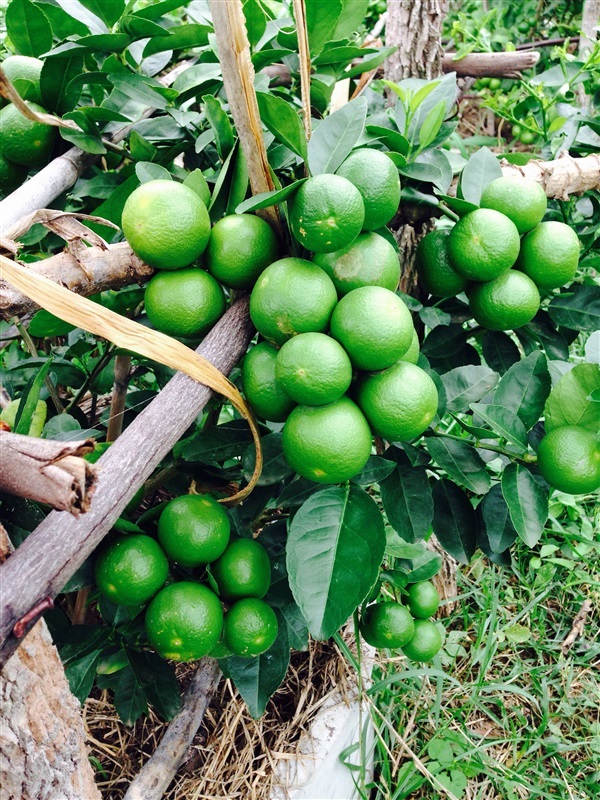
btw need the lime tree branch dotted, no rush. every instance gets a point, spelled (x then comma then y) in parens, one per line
(524, 458)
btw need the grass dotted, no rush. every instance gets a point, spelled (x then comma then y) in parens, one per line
(502, 713)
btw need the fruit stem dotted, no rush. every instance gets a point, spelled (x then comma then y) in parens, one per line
(448, 212)
(526, 458)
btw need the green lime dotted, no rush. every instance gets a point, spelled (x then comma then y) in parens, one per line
(423, 599)
(569, 459)
(436, 273)
(527, 137)
(24, 140)
(370, 260)
(291, 296)
(425, 643)
(11, 175)
(550, 255)
(313, 369)
(483, 244)
(327, 444)
(399, 402)
(374, 326)
(250, 627)
(166, 224)
(412, 354)
(516, 131)
(376, 177)
(520, 199)
(262, 391)
(240, 247)
(505, 303)
(184, 303)
(388, 625)
(244, 570)
(24, 73)
(184, 621)
(194, 529)
(131, 569)
(495, 84)
(38, 420)
(327, 213)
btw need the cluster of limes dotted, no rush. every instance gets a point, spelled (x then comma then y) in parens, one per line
(185, 618)
(393, 625)
(501, 254)
(25, 142)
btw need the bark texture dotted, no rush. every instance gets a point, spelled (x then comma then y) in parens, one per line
(65, 541)
(96, 270)
(415, 28)
(490, 65)
(42, 739)
(47, 471)
(563, 177)
(157, 773)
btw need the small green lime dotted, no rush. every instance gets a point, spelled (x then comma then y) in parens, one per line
(569, 459)
(243, 570)
(313, 369)
(131, 569)
(521, 199)
(388, 625)
(184, 302)
(26, 141)
(250, 627)
(370, 260)
(194, 529)
(240, 247)
(24, 73)
(376, 177)
(436, 273)
(550, 255)
(505, 303)
(483, 244)
(38, 420)
(261, 389)
(423, 599)
(412, 354)
(425, 643)
(11, 175)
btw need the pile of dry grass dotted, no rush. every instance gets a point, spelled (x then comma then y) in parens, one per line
(233, 756)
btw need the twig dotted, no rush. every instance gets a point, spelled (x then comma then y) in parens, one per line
(157, 773)
(119, 396)
(48, 471)
(577, 627)
(304, 53)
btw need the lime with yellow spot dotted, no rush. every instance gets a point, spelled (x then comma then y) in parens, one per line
(131, 569)
(370, 260)
(250, 627)
(313, 369)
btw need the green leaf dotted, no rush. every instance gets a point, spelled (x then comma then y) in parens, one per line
(140, 89)
(501, 533)
(432, 124)
(525, 388)
(569, 402)
(282, 119)
(454, 521)
(275, 467)
(140, 149)
(256, 20)
(461, 462)
(217, 444)
(482, 168)
(390, 138)
(196, 181)
(58, 426)
(57, 74)
(256, 679)
(335, 137)
(351, 18)
(129, 698)
(370, 62)
(578, 308)
(416, 562)
(466, 385)
(499, 351)
(106, 42)
(219, 122)
(407, 500)
(108, 11)
(146, 171)
(44, 324)
(461, 207)
(296, 492)
(527, 502)
(517, 634)
(157, 10)
(266, 199)
(334, 551)
(197, 80)
(503, 421)
(64, 24)
(81, 675)
(374, 471)
(443, 90)
(28, 27)
(29, 402)
(240, 179)
(158, 681)
(321, 22)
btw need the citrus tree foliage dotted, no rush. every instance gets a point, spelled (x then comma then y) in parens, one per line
(471, 479)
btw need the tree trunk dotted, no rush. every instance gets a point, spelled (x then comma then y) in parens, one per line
(42, 739)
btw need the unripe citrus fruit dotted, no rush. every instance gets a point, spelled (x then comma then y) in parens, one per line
(327, 444)
(38, 420)
(374, 326)
(436, 273)
(11, 175)
(370, 260)
(412, 354)
(184, 621)
(184, 303)
(131, 569)
(240, 247)
(550, 255)
(425, 643)
(505, 303)
(313, 369)
(483, 244)
(522, 200)
(25, 141)
(244, 570)
(399, 402)
(388, 625)
(423, 599)
(166, 224)
(24, 73)
(194, 529)
(262, 391)
(376, 177)
(327, 213)
(569, 459)
(250, 627)
(291, 296)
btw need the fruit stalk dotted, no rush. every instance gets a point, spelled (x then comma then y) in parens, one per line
(65, 541)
